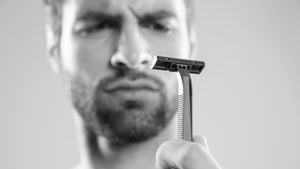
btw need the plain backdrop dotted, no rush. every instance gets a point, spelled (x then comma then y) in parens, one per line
(246, 102)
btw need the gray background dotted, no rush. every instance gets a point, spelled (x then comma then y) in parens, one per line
(246, 101)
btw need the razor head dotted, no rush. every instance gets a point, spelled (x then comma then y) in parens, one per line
(172, 64)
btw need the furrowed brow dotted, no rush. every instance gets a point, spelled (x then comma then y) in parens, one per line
(93, 16)
(156, 16)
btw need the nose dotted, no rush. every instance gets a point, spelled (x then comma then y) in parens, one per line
(131, 51)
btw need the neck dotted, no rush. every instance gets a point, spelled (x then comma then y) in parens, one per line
(98, 153)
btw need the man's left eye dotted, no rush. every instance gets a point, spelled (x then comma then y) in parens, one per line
(158, 27)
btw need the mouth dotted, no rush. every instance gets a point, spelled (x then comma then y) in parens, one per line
(132, 85)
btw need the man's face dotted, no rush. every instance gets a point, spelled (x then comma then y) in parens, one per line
(106, 51)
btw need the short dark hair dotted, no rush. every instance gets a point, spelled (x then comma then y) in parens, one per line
(54, 17)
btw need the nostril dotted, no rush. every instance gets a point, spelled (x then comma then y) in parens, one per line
(118, 61)
(145, 62)
(131, 60)
(120, 65)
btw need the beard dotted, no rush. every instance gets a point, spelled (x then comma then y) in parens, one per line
(123, 118)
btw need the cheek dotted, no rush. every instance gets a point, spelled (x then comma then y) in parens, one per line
(177, 47)
(172, 89)
(172, 83)
(169, 79)
(176, 44)
(84, 58)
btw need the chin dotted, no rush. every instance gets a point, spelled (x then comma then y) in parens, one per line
(131, 121)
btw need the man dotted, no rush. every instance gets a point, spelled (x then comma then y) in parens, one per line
(125, 112)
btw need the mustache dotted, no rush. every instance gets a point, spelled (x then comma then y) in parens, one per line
(132, 76)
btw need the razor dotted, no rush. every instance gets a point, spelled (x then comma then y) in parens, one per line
(183, 67)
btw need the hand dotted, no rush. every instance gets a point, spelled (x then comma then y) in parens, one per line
(180, 154)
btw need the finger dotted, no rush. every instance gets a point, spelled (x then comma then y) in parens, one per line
(184, 154)
(179, 154)
(201, 140)
(167, 155)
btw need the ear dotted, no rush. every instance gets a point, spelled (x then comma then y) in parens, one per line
(53, 40)
(53, 53)
(193, 43)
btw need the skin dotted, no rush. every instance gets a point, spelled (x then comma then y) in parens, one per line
(127, 41)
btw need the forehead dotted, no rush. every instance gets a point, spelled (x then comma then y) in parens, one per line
(120, 7)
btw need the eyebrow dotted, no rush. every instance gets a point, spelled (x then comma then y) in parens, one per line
(96, 15)
(154, 16)
(117, 18)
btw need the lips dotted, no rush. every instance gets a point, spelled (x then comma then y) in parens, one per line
(131, 85)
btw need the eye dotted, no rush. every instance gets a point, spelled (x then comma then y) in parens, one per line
(159, 27)
(156, 26)
(91, 27)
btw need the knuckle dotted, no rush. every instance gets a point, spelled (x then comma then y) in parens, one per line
(163, 148)
(180, 152)
(167, 143)
(191, 153)
(193, 149)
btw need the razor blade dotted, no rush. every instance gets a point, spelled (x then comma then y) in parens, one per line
(172, 64)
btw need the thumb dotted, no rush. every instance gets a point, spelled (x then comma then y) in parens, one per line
(201, 140)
